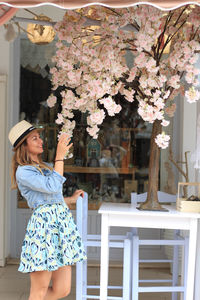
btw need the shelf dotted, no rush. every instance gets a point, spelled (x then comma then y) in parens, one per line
(99, 170)
(91, 206)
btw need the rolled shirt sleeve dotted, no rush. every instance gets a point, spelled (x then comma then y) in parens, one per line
(31, 177)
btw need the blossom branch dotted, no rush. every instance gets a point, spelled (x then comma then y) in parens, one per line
(95, 69)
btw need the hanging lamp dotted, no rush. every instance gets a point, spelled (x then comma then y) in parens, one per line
(40, 34)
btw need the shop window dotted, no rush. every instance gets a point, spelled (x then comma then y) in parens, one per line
(109, 168)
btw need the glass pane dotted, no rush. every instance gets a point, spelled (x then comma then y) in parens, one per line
(109, 168)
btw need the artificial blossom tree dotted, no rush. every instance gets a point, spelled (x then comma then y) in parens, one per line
(90, 63)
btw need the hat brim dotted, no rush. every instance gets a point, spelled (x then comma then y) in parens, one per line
(25, 137)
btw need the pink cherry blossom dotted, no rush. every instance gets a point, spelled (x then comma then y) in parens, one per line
(111, 107)
(158, 114)
(129, 95)
(92, 64)
(151, 66)
(60, 119)
(132, 74)
(51, 101)
(170, 110)
(97, 117)
(174, 81)
(141, 60)
(159, 103)
(67, 113)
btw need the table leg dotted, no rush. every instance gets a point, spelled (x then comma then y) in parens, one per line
(191, 260)
(197, 276)
(104, 258)
(185, 267)
(127, 269)
(135, 267)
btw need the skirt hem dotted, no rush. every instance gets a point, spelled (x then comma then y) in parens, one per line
(54, 268)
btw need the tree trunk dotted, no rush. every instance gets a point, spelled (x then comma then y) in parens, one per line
(151, 202)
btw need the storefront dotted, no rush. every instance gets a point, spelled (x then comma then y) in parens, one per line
(108, 168)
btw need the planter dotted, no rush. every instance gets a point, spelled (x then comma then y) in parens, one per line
(184, 205)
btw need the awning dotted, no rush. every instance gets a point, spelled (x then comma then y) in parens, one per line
(9, 8)
(6, 13)
(166, 4)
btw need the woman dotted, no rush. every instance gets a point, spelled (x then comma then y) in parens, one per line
(52, 243)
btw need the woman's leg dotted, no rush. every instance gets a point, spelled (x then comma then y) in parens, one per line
(61, 284)
(39, 284)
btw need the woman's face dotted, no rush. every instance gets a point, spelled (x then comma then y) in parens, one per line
(34, 143)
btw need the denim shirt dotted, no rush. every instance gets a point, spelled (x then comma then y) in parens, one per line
(38, 188)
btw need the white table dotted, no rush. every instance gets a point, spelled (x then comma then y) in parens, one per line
(126, 215)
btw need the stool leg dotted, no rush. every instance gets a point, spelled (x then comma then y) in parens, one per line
(84, 290)
(81, 279)
(127, 270)
(135, 267)
(175, 270)
(81, 267)
(185, 271)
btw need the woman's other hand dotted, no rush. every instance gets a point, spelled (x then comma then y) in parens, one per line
(74, 197)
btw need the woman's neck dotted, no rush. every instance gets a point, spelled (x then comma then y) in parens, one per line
(35, 159)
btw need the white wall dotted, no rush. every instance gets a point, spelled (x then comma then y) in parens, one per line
(4, 70)
(2, 169)
(9, 66)
(189, 124)
(4, 53)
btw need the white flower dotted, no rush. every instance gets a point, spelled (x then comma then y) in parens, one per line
(162, 140)
(166, 95)
(111, 106)
(165, 123)
(68, 155)
(192, 95)
(93, 131)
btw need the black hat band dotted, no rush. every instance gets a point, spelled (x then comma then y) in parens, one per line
(23, 135)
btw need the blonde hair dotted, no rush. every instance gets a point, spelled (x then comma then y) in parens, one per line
(21, 157)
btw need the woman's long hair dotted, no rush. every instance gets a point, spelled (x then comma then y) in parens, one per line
(21, 157)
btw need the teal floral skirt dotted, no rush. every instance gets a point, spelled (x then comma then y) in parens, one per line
(51, 240)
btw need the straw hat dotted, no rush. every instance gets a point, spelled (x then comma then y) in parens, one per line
(19, 133)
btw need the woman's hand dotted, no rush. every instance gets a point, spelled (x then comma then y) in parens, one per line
(74, 197)
(63, 146)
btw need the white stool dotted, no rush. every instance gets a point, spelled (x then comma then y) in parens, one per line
(176, 242)
(89, 240)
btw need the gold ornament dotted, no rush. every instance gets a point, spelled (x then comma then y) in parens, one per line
(40, 34)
